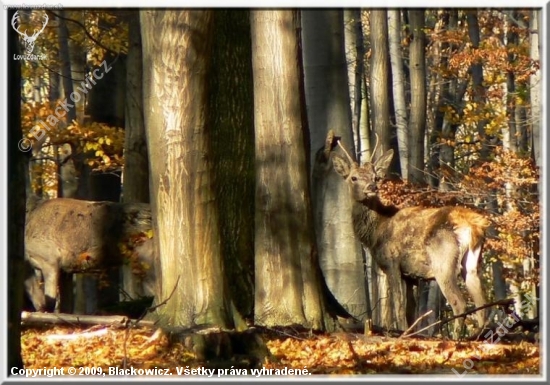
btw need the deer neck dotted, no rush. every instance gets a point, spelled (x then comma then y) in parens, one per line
(368, 218)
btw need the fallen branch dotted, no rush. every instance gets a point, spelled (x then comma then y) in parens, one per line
(30, 318)
(502, 302)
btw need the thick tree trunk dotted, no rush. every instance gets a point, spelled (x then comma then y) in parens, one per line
(186, 223)
(230, 88)
(288, 281)
(327, 100)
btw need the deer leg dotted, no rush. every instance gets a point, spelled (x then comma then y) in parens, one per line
(411, 301)
(51, 284)
(34, 288)
(472, 279)
(447, 281)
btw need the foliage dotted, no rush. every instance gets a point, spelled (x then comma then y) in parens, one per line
(127, 250)
(102, 144)
(337, 354)
(93, 34)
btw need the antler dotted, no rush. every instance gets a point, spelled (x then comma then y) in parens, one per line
(14, 19)
(375, 148)
(43, 26)
(351, 161)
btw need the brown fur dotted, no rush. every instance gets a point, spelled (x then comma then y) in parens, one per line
(418, 242)
(76, 236)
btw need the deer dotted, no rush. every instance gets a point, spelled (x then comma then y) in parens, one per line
(415, 242)
(74, 236)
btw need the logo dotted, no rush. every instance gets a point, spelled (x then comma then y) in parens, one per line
(28, 40)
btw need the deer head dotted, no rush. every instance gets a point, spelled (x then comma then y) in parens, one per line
(363, 180)
(28, 40)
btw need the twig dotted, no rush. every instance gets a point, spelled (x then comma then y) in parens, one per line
(153, 308)
(427, 327)
(501, 302)
(414, 324)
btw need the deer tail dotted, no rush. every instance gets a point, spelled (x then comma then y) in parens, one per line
(469, 226)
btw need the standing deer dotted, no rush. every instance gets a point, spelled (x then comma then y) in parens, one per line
(416, 242)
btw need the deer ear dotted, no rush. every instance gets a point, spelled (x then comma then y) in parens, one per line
(382, 164)
(341, 166)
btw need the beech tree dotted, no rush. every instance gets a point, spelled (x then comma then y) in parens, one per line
(288, 279)
(328, 106)
(185, 215)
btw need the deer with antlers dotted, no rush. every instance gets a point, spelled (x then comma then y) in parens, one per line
(416, 242)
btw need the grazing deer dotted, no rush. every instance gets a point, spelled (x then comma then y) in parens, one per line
(416, 242)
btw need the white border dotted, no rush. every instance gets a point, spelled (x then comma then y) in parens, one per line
(280, 4)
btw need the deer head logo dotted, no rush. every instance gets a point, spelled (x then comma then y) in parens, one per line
(28, 40)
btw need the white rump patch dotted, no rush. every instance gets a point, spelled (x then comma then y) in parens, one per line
(464, 236)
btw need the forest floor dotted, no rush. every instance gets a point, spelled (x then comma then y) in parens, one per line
(100, 350)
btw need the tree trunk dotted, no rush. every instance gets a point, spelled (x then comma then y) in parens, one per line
(105, 105)
(478, 89)
(418, 97)
(136, 166)
(355, 55)
(327, 100)
(379, 78)
(380, 101)
(288, 279)
(398, 83)
(230, 89)
(16, 209)
(183, 203)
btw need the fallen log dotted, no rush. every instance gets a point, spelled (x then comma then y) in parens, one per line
(32, 318)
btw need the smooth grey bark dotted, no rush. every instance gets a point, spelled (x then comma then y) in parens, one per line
(417, 123)
(379, 78)
(328, 106)
(535, 82)
(383, 308)
(355, 55)
(398, 84)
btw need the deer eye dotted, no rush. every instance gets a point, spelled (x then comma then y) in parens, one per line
(354, 179)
